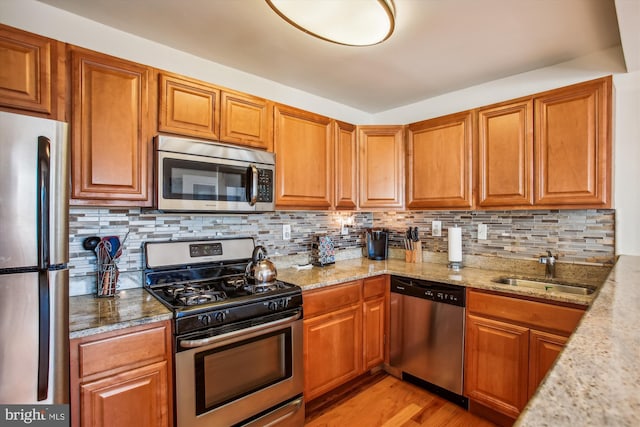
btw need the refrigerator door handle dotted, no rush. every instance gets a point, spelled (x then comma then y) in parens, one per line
(44, 323)
(44, 180)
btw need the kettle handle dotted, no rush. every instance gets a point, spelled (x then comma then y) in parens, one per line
(259, 252)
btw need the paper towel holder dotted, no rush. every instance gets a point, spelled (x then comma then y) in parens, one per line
(455, 265)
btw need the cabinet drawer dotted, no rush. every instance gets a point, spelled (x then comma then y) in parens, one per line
(375, 286)
(122, 350)
(331, 298)
(535, 314)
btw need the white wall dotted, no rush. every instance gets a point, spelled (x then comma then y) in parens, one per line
(42, 19)
(626, 137)
(599, 64)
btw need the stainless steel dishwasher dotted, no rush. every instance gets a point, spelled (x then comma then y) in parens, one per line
(427, 335)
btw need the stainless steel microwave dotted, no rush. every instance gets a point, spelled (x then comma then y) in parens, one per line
(202, 176)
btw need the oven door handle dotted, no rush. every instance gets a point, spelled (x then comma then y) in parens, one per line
(206, 341)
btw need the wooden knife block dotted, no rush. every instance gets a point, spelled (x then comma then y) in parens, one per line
(414, 255)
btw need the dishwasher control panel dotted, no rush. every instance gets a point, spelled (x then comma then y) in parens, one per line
(426, 289)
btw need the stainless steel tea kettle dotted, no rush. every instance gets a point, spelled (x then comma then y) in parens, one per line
(260, 270)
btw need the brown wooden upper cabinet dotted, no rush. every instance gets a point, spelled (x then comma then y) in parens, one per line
(381, 165)
(188, 107)
(246, 120)
(439, 168)
(346, 161)
(32, 74)
(304, 151)
(504, 160)
(573, 146)
(111, 130)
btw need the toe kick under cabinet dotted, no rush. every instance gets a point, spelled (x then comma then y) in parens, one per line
(122, 378)
(510, 345)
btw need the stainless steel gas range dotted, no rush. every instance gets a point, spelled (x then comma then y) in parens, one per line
(237, 345)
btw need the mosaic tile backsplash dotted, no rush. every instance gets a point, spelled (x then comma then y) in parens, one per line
(577, 236)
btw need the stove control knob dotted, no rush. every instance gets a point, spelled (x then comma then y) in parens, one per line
(205, 319)
(220, 316)
(273, 305)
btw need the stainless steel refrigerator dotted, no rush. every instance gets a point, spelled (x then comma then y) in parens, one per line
(34, 251)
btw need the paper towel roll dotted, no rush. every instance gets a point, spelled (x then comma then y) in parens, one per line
(455, 244)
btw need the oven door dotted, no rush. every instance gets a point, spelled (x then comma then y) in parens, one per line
(242, 375)
(196, 183)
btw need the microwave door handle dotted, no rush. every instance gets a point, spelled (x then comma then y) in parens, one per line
(252, 185)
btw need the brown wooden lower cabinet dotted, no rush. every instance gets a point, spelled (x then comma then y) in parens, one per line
(375, 292)
(511, 343)
(497, 364)
(544, 348)
(344, 329)
(332, 350)
(134, 397)
(123, 378)
(332, 337)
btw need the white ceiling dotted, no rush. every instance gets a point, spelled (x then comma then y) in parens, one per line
(438, 46)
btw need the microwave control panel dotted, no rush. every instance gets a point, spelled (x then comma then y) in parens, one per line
(265, 185)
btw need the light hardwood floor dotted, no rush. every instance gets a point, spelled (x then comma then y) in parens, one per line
(382, 400)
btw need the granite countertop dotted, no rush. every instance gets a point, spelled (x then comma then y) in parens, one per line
(89, 315)
(596, 379)
(479, 278)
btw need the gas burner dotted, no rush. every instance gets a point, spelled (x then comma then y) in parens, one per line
(235, 282)
(177, 290)
(193, 293)
(263, 288)
(201, 298)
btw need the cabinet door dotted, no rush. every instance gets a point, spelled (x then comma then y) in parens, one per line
(544, 350)
(246, 120)
(304, 159)
(136, 398)
(496, 364)
(439, 155)
(332, 350)
(373, 326)
(32, 74)
(505, 155)
(381, 160)
(188, 107)
(346, 166)
(111, 132)
(573, 146)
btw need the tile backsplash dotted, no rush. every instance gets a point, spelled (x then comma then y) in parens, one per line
(578, 236)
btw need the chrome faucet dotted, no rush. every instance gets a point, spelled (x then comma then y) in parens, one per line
(550, 265)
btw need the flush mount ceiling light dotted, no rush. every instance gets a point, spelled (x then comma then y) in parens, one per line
(347, 22)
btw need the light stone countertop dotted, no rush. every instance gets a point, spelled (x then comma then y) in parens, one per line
(360, 268)
(596, 379)
(89, 315)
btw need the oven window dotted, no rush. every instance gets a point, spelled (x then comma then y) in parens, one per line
(185, 179)
(228, 373)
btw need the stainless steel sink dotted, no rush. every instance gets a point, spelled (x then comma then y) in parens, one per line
(547, 285)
